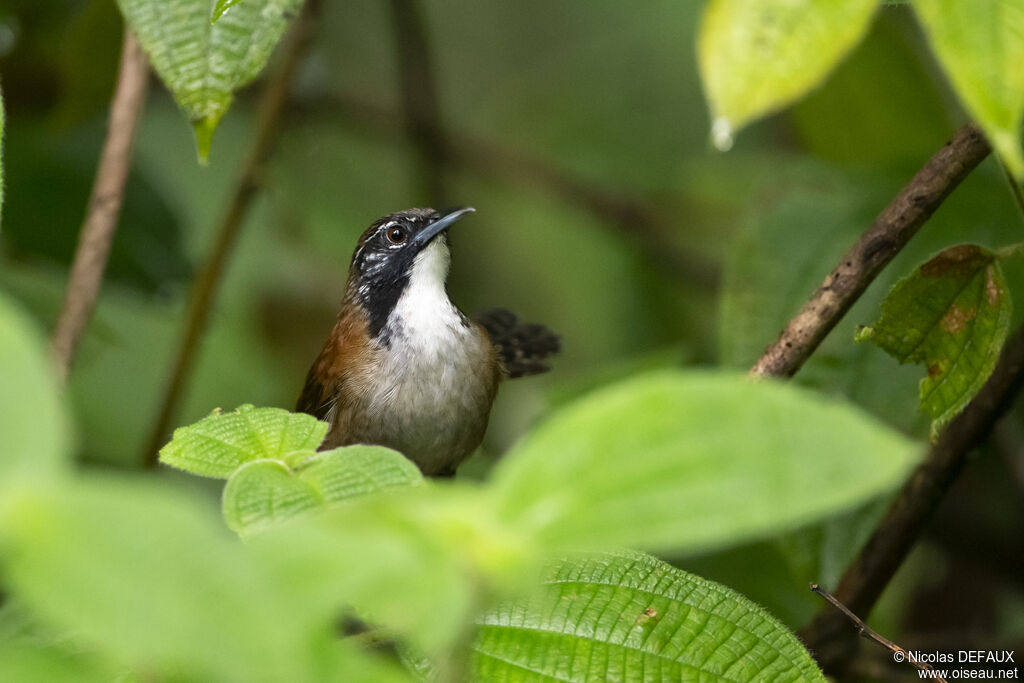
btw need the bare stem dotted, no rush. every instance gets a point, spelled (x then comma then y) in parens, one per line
(104, 207)
(883, 553)
(248, 184)
(866, 631)
(857, 269)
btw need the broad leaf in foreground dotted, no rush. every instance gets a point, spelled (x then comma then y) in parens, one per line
(33, 421)
(220, 443)
(757, 56)
(690, 461)
(145, 575)
(629, 616)
(203, 62)
(981, 47)
(266, 492)
(951, 315)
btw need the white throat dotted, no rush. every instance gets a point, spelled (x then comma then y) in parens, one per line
(423, 313)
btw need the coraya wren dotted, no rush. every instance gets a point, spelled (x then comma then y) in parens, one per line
(403, 367)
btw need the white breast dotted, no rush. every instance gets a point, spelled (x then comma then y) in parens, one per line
(435, 383)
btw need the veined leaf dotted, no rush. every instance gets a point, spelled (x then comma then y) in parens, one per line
(33, 422)
(202, 62)
(951, 315)
(757, 56)
(629, 616)
(266, 492)
(220, 443)
(690, 461)
(981, 47)
(221, 7)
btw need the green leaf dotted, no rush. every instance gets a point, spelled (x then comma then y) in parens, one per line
(33, 420)
(145, 574)
(220, 443)
(757, 56)
(416, 561)
(202, 62)
(266, 492)
(35, 664)
(951, 315)
(981, 47)
(690, 461)
(221, 7)
(629, 616)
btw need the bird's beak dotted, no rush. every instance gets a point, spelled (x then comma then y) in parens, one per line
(431, 231)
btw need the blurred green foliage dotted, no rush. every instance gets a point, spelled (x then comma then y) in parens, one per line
(608, 96)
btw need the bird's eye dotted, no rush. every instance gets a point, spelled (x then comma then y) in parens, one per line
(396, 234)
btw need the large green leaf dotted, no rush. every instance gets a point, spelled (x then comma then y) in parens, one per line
(220, 443)
(33, 421)
(631, 617)
(981, 47)
(951, 315)
(689, 461)
(145, 574)
(416, 561)
(205, 62)
(266, 492)
(757, 56)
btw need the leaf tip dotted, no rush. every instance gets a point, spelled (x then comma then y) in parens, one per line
(722, 134)
(204, 129)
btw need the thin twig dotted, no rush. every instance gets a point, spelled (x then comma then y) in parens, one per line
(420, 101)
(640, 221)
(880, 557)
(104, 207)
(248, 184)
(865, 631)
(889, 233)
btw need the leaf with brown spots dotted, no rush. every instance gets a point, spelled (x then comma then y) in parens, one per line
(951, 315)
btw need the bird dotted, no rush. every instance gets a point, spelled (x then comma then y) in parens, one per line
(403, 367)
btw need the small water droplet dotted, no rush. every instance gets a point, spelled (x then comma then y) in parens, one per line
(721, 134)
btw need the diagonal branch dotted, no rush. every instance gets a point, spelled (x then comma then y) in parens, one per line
(857, 269)
(879, 558)
(104, 207)
(247, 186)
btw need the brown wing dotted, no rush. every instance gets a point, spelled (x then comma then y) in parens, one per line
(315, 399)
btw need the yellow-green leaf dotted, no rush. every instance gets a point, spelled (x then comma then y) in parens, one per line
(757, 56)
(981, 47)
(266, 492)
(220, 443)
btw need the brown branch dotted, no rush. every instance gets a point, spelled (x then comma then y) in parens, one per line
(889, 233)
(104, 206)
(865, 631)
(248, 184)
(640, 221)
(420, 102)
(880, 557)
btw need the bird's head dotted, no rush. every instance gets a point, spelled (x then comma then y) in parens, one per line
(401, 249)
